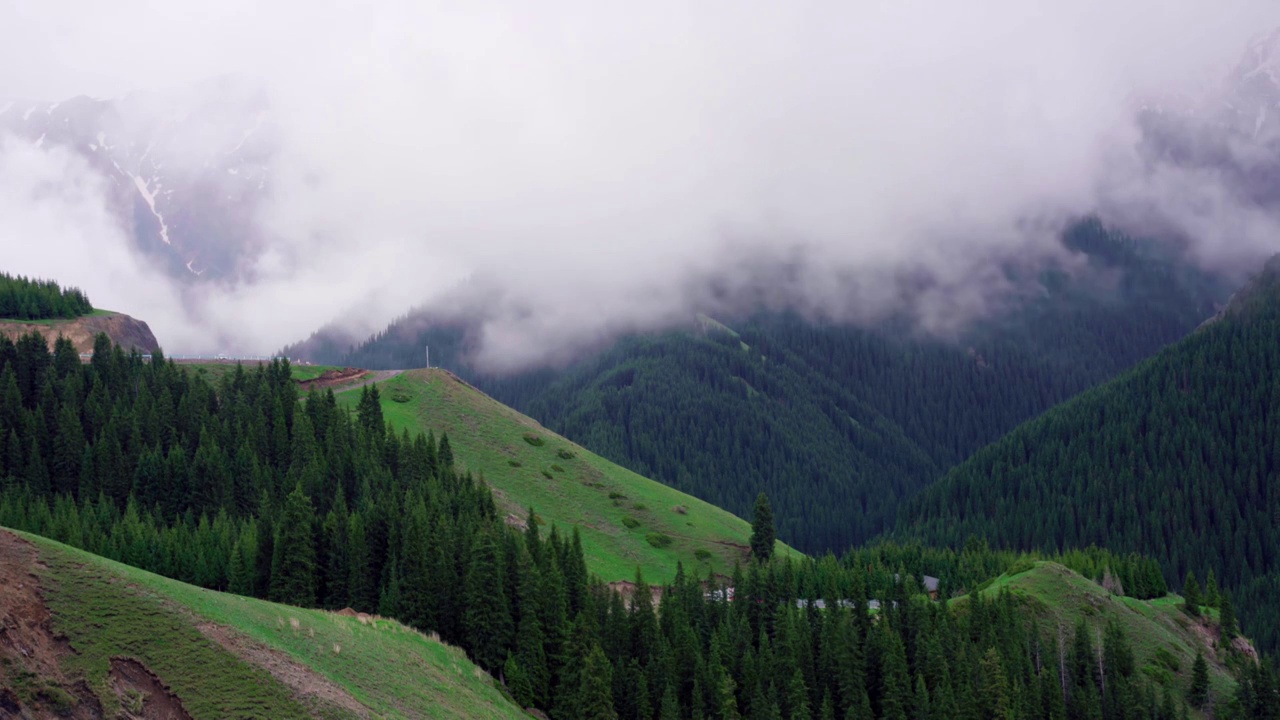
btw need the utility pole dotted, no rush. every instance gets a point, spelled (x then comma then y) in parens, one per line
(428, 357)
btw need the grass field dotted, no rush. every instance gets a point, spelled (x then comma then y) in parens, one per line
(55, 321)
(627, 521)
(215, 371)
(381, 668)
(1164, 638)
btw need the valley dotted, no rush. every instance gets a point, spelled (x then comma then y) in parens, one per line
(288, 505)
(905, 361)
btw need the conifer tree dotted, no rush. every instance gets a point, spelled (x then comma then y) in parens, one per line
(993, 697)
(569, 681)
(1211, 590)
(337, 574)
(670, 707)
(240, 570)
(798, 697)
(36, 476)
(487, 615)
(1198, 691)
(369, 410)
(827, 710)
(416, 599)
(445, 454)
(1191, 595)
(390, 600)
(68, 451)
(517, 681)
(574, 567)
(293, 570)
(1227, 628)
(895, 680)
(595, 694)
(762, 531)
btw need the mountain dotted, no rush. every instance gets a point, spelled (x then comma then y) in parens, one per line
(1176, 459)
(85, 637)
(837, 424)
(627, 521)
(1230, 133)
(313, 502)
(185, 169)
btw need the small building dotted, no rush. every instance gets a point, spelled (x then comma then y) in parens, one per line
(931, 586)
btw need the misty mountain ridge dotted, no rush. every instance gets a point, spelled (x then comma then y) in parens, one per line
(836, 422)
(185, 169)
(190, 172)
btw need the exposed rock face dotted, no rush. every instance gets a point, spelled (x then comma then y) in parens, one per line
(129, 333)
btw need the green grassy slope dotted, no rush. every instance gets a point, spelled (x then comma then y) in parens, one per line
(186, 636)
(215, 371)
(1164, 639)
(50, 322)
(526, 465)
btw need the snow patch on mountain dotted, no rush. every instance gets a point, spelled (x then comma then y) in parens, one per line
(150, 198)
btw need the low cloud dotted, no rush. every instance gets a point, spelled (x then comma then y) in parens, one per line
(600, 168)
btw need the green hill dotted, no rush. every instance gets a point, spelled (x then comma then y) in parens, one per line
(627, 521)
(1176, 459)
(1163, 638)
(88, 637)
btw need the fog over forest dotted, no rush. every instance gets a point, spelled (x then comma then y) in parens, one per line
(577, 169)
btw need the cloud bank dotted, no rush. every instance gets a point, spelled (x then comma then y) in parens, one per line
(604, 167)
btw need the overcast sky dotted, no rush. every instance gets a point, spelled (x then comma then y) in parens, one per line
(596, 160)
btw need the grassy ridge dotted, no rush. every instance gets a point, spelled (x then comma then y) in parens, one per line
(49, 322)
(627, 521)
(213, 372)
(107, 609)
(1163, 638)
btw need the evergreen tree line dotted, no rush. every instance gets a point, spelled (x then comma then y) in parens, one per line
(1177, 460)
(24, 298)
(838, 424)
(246, 487)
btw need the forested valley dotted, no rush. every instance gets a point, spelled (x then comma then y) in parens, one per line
(247, 487)
(1178, 459)
(838, 424)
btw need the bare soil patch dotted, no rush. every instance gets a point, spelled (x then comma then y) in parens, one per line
(330, 378)
(32, 683)
(142, 694)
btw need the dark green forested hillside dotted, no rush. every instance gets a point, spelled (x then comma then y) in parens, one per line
(837, 424)
(1180, 458)
(243, 486)
(24, 298)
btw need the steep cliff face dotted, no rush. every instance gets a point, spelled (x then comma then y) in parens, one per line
(126, 331)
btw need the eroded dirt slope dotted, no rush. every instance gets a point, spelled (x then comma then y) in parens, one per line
(32, 681)
(128, 332)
